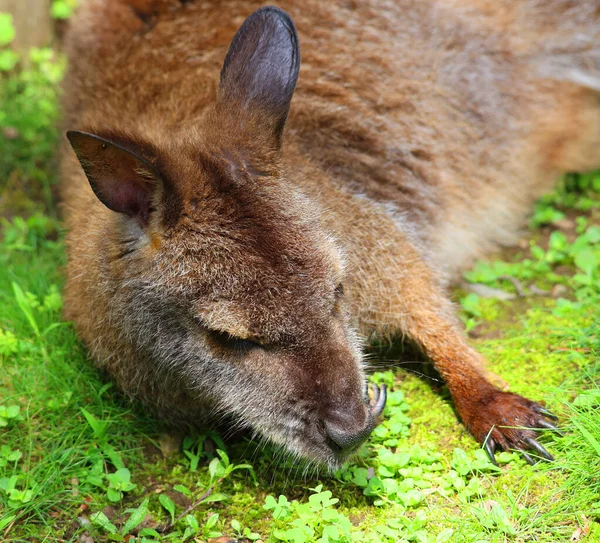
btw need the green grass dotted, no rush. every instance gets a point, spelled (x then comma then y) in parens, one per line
(77, 461)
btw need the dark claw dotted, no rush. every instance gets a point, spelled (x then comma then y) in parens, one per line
(379, 399)
(536, 446)
(528, 458)
(543, 411)
(549, 426)
(490, 446)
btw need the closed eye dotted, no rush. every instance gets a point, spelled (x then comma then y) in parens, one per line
(225, 340)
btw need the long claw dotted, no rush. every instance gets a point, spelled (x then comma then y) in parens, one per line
(543, 411)
(375, 392)
(490, 446)
(378, 406)
(528, 458)
(549, 426)
(537, 447)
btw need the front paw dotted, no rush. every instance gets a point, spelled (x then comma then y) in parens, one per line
(507, 421)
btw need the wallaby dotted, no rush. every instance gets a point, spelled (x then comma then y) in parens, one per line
(247, 222)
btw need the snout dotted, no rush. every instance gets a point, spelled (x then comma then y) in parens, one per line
(348, 428)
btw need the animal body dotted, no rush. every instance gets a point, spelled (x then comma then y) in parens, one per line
(248, 218)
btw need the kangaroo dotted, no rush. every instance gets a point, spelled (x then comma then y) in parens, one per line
(241, 222)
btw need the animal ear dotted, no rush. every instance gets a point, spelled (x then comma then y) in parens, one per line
(261, 69)
(121, 179)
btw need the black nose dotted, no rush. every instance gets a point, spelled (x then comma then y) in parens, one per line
(348, 428)
(347, 437)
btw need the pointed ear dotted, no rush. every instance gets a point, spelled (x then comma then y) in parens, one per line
(261, 69)
(121, 179)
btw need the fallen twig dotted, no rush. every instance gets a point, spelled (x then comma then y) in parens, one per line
(515, 282)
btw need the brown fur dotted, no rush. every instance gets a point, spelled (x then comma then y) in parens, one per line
(419, 136)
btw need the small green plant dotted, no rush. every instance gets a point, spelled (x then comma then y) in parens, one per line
(546, 214)
(494, 519)
(192, 448)
(209, 528)
(99, 427)
(471, 310)
(221, 467)
(30, 305)
(190, 527)
(119, 483)
(243, 532)
(8, 456)
(136, 517)
(465, 464)
(9, 344)
(396, 423)
(315, 520)
(9, 414)
(169, 506)
(16, 491)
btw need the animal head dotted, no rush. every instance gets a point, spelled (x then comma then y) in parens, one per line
(224, 274)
